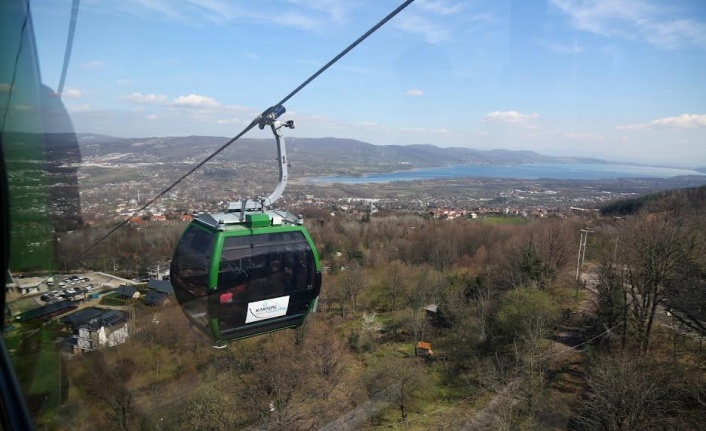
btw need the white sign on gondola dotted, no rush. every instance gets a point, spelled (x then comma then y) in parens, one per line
(267, 309)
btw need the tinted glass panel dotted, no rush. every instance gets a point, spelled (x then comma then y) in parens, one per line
(189, 273)
(261, 267)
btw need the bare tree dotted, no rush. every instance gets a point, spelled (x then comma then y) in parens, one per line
(418, 294)
(210, 409)
(611, 303)
(329, 355)
(464, 306)
(686, 294)
(443, 247)
(538, 260)
(273, 385)
(396, 282)
(483, 300)
(554, 244)
(280, 384)
(107, 385)
(654, 247)
(349, 285)
(528, 314)
(627, 394)
(401, 381)
(527, 317)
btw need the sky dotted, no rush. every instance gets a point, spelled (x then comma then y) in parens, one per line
(622, 80)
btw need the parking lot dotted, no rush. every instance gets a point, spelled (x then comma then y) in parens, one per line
(46, 289)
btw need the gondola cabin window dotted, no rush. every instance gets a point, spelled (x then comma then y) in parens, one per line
(263, 276)
(190, 270)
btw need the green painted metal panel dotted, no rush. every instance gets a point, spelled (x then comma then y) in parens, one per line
(257, 220)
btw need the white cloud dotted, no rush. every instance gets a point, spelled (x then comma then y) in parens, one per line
(675, 33)
(413, 92)
(78, 108)
(432, 32)
(145, 99)
(224, 8)
(440, 7)
(195, 101)
(511, 117)
(229, 121)
(634, 19)
(413, 130)
(683, 121)
(482, 18)
(310, 15)
(297, 20)
(71, 93)
(306, 14)
(165, 7)
(151, 117)
(337, 10)
(189, 101)
(439, 21)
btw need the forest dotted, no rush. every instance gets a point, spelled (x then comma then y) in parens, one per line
(523, 338)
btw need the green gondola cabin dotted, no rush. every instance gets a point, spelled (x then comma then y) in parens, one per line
(237, 277)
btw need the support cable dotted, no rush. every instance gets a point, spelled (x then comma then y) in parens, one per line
(255, 122)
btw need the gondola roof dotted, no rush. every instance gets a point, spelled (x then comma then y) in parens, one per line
(231, 221)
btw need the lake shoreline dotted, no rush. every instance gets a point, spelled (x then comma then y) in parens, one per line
(525, 171)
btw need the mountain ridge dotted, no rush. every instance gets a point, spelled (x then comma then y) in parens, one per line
(328, 150)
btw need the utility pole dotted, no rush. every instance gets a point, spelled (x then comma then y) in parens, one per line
(581, 255)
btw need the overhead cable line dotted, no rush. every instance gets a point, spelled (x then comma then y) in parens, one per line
(345, 51)
(255, 122)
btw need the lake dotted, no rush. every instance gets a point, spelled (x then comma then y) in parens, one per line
(559, 171)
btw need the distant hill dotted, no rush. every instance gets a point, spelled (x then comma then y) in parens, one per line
(318, 151)
(693, 197)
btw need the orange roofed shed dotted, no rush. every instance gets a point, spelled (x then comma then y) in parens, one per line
(423, 349)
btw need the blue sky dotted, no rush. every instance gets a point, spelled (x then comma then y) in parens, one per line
(617, 79)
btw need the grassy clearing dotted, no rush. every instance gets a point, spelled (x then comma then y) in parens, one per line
(505, 220)
(438, 407)
(434, 406)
